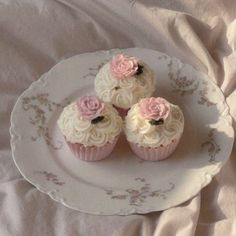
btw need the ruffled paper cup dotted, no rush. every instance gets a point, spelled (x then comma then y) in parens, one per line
(92, 153)
(154, 154)
(122, 112)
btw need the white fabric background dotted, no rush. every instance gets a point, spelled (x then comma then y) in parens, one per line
(36, 34)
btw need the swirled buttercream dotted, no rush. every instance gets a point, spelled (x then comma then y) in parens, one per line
(140, 131)
(124, 92)
(83, 131)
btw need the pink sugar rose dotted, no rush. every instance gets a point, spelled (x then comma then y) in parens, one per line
(90, 107)
(154, 108)
(123, 66)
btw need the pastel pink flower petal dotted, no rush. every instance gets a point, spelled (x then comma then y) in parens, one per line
(123, 66)
(90, 107)
(154, 108)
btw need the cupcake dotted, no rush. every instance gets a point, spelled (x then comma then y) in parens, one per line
(153, 128)
(124, 81)
(91, 128)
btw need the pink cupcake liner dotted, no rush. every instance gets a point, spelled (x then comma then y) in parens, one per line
(91, 153)
(154, 154)
(122, 112)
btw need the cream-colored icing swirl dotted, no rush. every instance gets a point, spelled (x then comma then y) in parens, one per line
(138, 129)
(79, 130)
(126, 92)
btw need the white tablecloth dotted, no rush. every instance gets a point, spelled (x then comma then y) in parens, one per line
(36, 34)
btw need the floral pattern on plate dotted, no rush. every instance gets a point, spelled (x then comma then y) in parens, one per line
(138, 196)
(112, 186)
(40, 105)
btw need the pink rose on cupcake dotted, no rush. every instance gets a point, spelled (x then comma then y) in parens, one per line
(123, 66)
(154, 108)
(90, 107)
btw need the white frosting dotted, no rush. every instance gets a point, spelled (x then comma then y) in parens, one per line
(131, 89)
(78, 130)
(138, 130)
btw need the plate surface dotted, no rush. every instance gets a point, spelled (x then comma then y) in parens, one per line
(121, 184)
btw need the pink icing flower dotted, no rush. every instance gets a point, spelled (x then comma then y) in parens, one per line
(90, 107)
(154, 108)
(123, 66)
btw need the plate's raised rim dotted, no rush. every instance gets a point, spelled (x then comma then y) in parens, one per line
(53, 194)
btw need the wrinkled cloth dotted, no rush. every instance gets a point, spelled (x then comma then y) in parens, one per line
(37, 34)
